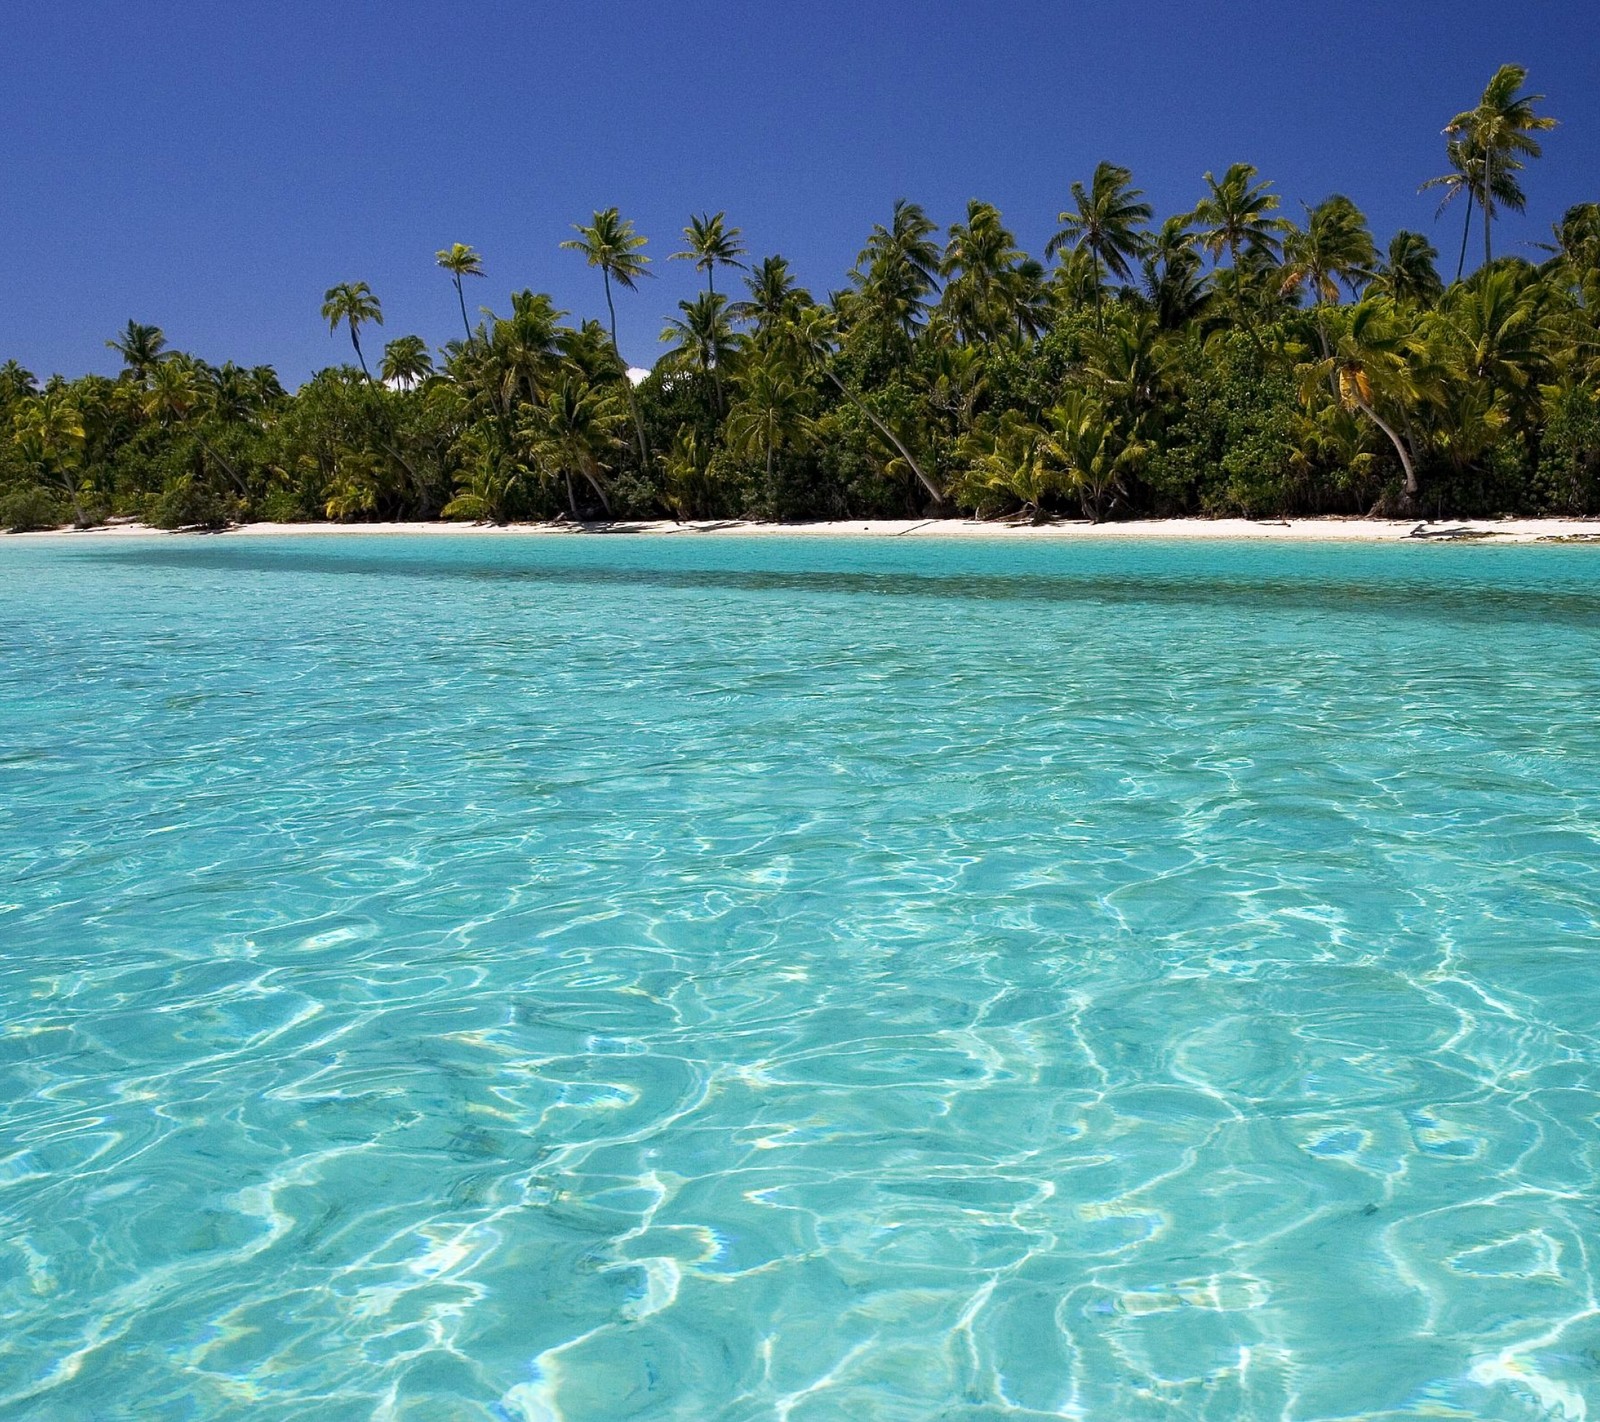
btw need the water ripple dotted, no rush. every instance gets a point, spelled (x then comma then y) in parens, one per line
(597, 980)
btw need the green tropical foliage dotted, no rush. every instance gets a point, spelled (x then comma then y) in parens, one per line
(1223, 360)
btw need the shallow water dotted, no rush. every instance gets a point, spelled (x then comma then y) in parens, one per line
(725, 980)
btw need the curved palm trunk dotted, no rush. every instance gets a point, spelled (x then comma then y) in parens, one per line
(231, 471)
(461, 297)
(594, 484)
(1466, 232)
(1399, 447)
(1099, 318)
(934, 491)
(356, 342)
(633, 404)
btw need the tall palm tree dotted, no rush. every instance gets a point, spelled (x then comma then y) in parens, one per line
(142, 347)
(1106, 219)
(354, 304)
(1499, 133)
(460, 260)
(610, 243)
(711, 244)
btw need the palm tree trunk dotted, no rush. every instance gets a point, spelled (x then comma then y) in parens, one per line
(572, 499)
(633, 404)
(1399, 447)
(1099, 319)
(355, 341)
(232, 472)
(1466, 232)
(933, 489)
(595, 484)
(463, 300)
(1488, 208)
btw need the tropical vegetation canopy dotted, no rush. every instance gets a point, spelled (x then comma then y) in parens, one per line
(1230, 359)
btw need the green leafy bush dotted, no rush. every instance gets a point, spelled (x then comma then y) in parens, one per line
(30, 508)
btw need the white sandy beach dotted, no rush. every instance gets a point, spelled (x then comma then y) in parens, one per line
(1516, 530)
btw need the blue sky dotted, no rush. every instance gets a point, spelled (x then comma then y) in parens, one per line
(212, 168)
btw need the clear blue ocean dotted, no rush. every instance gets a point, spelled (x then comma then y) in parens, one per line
(798, 980)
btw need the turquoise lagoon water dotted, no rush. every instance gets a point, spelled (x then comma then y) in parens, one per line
(615, 978)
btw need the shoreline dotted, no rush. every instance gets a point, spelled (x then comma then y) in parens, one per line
(1358, 530)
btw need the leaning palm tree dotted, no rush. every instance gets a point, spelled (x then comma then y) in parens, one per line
(460, 260)
(1372, 367)
(711, 244)
(1106, 220)
(142, 348)
(811, 336)
(354, 304)
(610, 243)
(1498, 132)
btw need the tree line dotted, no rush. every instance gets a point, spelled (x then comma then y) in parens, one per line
(1226, 360)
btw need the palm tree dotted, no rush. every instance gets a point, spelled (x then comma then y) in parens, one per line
(573, 433)
(988, 296)
(355, 305)
(406, 362)
(178, 389)
(1083, 443)
(898, 268)
(706, 341)
(1334, 246)
(1173, 281)
(1498, 134)
(460, 260)
(774, 296)
(1234, 214)
(1408, 273)
(769, 413)
(1370, 364)
(142, 348)
(1105, 220)
(711, 244)
(610, 243)
(528, 347)
(48, 434)
(812, 336)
